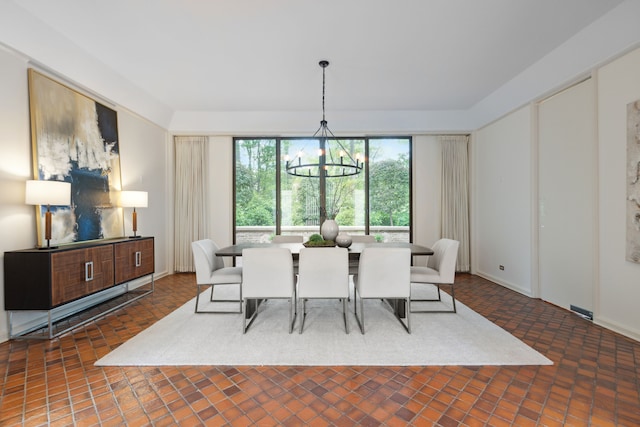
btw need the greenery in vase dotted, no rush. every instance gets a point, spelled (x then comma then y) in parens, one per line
(317, 240)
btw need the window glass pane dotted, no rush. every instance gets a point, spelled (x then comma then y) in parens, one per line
(299, 204)
(345, 195)
(389, 189)
(384, 212)
(255, 189)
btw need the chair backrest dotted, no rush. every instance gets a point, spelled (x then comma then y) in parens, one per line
(323, 273)
(445, 254)
(205, 259)
(363, 238)
(279, 238)
(384, 273)
(267, 273)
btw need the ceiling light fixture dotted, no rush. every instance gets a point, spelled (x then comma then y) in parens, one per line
(330, 163)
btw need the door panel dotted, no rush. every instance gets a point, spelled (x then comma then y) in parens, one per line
(567, 194)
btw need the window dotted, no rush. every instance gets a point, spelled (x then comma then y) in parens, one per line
(270, 201)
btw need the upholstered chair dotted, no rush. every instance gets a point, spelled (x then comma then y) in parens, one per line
(210, 271)
(384, 273)
(359, 238)
(324, 274)
(440, 270)
(267, 274)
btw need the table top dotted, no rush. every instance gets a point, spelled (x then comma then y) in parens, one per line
(355, 249)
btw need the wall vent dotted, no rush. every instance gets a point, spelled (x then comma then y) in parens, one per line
(585, 314)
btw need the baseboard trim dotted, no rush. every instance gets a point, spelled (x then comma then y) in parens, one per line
(505, 284)
(616, 327)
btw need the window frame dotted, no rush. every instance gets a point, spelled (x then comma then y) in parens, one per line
(278, 180)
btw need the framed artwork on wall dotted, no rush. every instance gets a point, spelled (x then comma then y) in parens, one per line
(75, 139)
(633, 182)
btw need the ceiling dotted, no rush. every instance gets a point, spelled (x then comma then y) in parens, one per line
(257, 55)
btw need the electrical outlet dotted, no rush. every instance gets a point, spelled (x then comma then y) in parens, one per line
(501, 267)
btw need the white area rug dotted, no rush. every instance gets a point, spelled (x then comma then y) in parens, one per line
(186, 338)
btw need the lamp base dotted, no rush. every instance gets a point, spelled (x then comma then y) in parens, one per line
(134, 237)
(41, 248)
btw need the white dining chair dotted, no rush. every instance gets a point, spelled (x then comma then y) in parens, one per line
(440, 270)
(289, 238)
(323, 273)
(286, 238)
(359, 238)
(267, 274)
(210, 271)
(363, 238)
(383, 273)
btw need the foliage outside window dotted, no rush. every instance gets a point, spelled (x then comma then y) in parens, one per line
(376, 201)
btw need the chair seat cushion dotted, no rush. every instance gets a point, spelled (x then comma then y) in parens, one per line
(226, 275)
(425, 275)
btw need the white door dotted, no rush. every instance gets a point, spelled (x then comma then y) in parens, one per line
(567, 195)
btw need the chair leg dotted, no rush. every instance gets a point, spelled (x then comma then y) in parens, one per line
(303, 314)
(292, 314)
(453, 299)
(355, 310)
(408, 311)
(246, 325)
(197, 297)
(435, 300)
(244, 319)
(344, 314)
(394, 304)
(239, 301)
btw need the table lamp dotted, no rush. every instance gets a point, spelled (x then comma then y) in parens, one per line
(134, 199)
(50, 193)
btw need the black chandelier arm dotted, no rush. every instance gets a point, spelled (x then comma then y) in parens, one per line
(324, 129)
(345, 168)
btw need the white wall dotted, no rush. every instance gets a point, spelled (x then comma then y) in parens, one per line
(143, 164)
(501, 201)
(619, 291)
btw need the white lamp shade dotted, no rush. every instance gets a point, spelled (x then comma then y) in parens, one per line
(54, 193)
(133, 199)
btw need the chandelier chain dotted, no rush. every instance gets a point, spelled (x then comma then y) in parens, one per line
(329, 164)
(323, 84)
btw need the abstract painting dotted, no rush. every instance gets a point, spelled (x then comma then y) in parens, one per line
(75, 139)
(633, 182)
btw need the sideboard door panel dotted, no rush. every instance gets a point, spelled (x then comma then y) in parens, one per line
(134, 259)
(78, 273)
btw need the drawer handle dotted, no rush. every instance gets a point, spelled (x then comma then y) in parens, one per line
(88, 271)
(138, 259)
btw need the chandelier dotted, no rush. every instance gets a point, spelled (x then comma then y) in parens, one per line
(330, 163)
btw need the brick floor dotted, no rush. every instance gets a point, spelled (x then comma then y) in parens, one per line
(595, 379)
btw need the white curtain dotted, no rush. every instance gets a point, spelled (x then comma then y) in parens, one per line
(190, 197)
(455, 194)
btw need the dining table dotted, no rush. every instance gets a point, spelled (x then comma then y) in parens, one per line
(355, 249)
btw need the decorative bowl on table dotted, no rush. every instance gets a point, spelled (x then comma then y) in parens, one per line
(343, 240)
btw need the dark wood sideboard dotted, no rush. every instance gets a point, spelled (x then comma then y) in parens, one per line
(45, 279)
